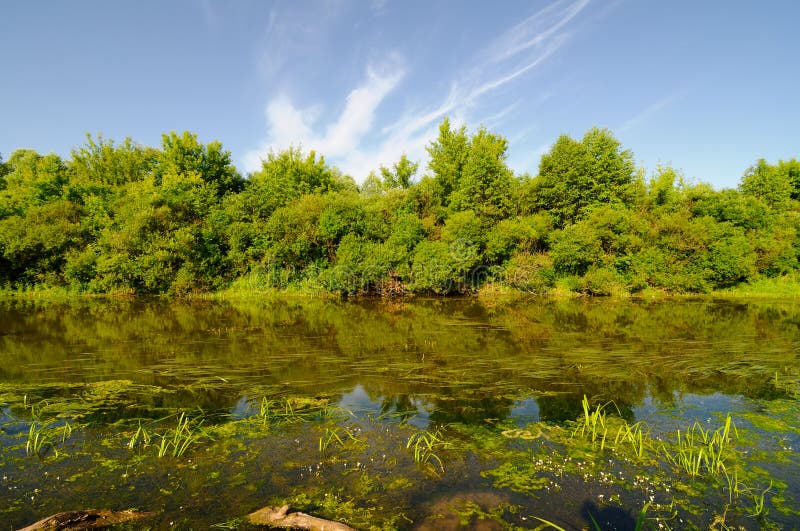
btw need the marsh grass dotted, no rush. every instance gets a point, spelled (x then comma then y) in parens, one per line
(339, 435)
(274, 412)
(142, 434)
(178, 440)
(700, 452)
(634, 437)
(641, 521)
(592, 426)
(42, 439)
(173, 442)
(425, 446)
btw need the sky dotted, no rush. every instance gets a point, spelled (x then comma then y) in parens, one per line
(708, 87)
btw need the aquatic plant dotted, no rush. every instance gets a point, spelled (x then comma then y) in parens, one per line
(175, 441)
(592, 426)
(40, 438)
(634, 436)
(332, 434)
(425, 444)
(141, 434)
(641, 520)
(759, 500)
(178, 440)
(273, 412)
(698, 451)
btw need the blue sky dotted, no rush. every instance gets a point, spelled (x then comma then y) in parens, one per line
(708, 86)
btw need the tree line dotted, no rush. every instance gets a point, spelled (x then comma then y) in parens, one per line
(180, 219)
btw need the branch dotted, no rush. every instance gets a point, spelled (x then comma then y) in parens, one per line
(279, 517)
(88, 519)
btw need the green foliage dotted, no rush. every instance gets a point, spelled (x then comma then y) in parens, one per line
(530, 272)
(184, 155)
(576, 248)
(448, 155)
(401, 173)
(772, 184)
(510, 235)
(360, 266)
(576, 175)
(443, 268)
(179, 219)
(485, 181)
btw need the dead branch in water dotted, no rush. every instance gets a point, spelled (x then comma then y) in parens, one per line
(280, 517)
(88, 519)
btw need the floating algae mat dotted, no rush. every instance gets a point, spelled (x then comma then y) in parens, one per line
(426, 414)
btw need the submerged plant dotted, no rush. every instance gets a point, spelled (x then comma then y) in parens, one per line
(699, 452)
(592, 426)
(332, 435)
(40, 438)
(177, 440)
(141, 434)
(174, 441)
(425, 445)
(273, 412)
(633, 436)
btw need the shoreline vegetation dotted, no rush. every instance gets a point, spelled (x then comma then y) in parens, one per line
(179, 220)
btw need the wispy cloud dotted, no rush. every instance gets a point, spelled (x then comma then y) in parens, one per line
(357, 144)
(651, 111)
(342, 139)
(535, 30)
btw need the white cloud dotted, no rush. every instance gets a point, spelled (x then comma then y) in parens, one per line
(535, 30)
(289, 125)
(357, 145)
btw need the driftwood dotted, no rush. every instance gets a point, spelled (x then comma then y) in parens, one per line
(280, 517)
(88, 519)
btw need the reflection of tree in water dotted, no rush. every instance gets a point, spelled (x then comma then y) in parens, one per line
(470, 410)
(561, 408)
(401, 407)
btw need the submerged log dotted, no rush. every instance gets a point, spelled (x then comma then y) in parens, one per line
(280, 517)
(88, 519)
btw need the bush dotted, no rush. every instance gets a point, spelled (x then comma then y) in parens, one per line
(531, 272)
(575, 248)
(441, 268)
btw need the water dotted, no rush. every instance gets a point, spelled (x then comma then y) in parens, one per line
(362, 379)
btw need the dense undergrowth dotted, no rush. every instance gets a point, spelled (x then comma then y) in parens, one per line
(180, 219)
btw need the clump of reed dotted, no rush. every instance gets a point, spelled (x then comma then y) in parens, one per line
(42, 438)
(273, 412)
(339, 435)
(425, 446)
(173, 442)
(702, 452)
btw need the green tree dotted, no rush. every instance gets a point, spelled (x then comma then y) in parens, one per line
(574, 176)
(770, 183)
(401, 173)
(448, 154)
(485, 182)
(184, 154)
(102, 162)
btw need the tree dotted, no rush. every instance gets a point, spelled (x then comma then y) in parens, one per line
(776, 185)
(485, 182)
(401, 173)
(102, 162)
(184, 154)
(4, 170)
(448, 154)
(574, 175)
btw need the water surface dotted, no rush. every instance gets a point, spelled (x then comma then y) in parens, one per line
(375, 375)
